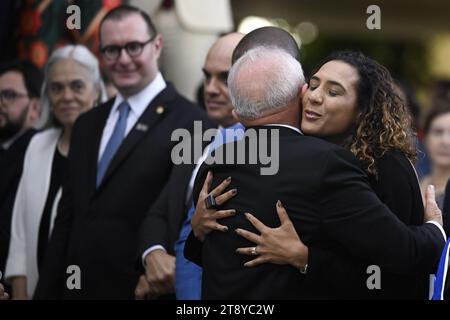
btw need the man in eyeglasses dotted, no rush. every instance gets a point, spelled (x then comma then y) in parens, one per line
(20, 85)
(119, 161)
(168, 223)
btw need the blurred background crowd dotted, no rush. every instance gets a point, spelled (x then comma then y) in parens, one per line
(413, 42)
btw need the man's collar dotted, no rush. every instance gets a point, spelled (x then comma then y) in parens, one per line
(234, 126)
(143, 97)
(8, 143)
(285, 126)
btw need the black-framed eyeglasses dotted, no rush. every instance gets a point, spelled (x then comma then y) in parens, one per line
(8, 97)
(133, 48)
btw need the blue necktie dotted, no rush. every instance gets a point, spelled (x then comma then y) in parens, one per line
(114, 142)
(441, 275)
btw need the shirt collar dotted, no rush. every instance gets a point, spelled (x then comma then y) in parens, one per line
(139, 102)
(234, 126)
(284, 125)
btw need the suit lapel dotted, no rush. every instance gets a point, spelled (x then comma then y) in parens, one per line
(155, 111)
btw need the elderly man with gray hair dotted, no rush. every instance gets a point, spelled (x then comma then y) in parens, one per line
(277, 91)
(325, 192)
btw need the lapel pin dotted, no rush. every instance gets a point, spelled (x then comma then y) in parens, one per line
(141, 127)
(160, 110)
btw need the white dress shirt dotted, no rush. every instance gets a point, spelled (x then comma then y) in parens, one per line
(138, 103)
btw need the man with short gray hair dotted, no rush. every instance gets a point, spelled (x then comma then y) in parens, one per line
(321, 185)
(283, 78)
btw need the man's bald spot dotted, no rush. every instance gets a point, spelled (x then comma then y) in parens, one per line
(267, 36)
(227, 43)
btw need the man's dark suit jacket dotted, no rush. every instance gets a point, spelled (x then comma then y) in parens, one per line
(97, 228)
(11, 165)
(332, 207)
(163, 221)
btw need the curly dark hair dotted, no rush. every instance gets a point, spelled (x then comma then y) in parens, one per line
(385, 122)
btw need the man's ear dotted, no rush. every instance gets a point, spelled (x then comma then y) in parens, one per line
(159, 43)
(235, 115)
(35, 111)
(303, 90)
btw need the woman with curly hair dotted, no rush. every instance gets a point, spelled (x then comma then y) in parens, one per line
(351, 100)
